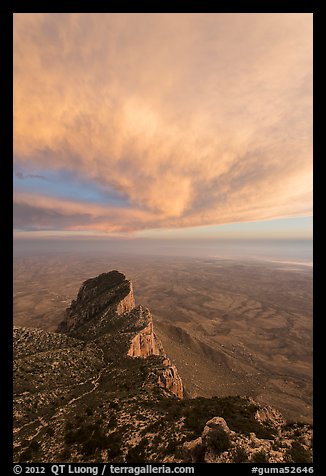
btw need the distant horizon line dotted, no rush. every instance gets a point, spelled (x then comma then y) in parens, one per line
(155, 239)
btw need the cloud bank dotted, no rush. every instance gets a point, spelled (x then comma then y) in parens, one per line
(194, 119)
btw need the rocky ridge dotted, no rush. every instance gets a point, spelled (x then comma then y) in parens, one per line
(106, 305)
(103, 389)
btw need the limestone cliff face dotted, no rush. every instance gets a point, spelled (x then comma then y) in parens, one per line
(98, 299)
(127, 303)
(171, 380)
(145, 343)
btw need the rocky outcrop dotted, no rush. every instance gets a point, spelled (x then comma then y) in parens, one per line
(98, 299)
(214, 440)
(105, 311)
(127, 303)
(219, 444)
(171, 380)
(145, 343)
(216, 428)
(194, 451)
(270, 415)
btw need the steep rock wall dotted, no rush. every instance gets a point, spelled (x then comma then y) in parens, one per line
(171, 380)
(97, 301)
(127, 303)
(145, 343)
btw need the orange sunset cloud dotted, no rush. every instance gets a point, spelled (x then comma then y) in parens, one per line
(187, 119)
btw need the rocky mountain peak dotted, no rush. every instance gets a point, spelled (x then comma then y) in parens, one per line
(107, 293)
(104, 311)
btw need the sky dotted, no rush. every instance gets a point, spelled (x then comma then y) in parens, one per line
(190, 126)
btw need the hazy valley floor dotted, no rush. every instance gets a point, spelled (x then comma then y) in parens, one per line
(232, 328)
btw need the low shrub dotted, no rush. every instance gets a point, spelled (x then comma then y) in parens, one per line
(298, 454)
(240, 455)
(260, 457)
(218, 440)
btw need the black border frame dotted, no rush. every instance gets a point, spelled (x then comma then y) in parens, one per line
(229, 6)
